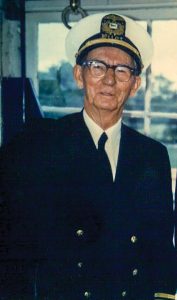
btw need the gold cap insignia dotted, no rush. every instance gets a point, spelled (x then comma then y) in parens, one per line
(113, 26)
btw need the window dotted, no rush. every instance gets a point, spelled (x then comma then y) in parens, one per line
(58, 93)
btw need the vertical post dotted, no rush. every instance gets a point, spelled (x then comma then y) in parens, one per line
(12, 108)
(147, 97)
(23, 53)
(13, 68)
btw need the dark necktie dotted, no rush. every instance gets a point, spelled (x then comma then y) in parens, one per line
(104, 160)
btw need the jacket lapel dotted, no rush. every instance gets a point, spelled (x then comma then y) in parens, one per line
(81, 140)
(129, 165)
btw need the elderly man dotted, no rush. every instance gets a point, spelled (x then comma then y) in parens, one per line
(87, 201)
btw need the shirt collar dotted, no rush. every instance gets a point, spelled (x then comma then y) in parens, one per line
(113, 132)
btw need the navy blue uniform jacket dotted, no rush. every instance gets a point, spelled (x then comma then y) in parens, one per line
(67, 233)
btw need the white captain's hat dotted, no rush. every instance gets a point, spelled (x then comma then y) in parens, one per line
(109, 29)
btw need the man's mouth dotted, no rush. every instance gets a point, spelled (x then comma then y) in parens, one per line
(108, 94)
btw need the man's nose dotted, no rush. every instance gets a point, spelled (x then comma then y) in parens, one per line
(109, 77)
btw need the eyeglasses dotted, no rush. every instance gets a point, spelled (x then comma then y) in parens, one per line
(98, 69)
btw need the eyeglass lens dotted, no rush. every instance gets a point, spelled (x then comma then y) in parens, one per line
(99, 69)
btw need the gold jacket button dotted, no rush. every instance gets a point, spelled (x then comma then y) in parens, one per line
(124, 294)
(133, 239)
(80, 264)
(135, 272)
(87, 294)
(80, 232)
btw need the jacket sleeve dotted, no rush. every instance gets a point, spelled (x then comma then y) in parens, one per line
(165, 264)
(16, 275)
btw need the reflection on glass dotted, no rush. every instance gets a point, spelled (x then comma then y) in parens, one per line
(164, 67)
(51, 45)
(137, 102)
(135, 123)
(164, 130)
(57, 87)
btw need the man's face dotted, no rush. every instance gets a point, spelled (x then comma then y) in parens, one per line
(107, 93)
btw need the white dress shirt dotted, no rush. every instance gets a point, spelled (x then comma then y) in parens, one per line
(113, 142)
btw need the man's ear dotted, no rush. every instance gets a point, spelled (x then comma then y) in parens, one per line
(77, 71)
(135, 86)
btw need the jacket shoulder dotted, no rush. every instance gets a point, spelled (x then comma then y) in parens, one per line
(44, 129)
(142, 139)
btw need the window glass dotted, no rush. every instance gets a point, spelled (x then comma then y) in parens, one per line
(164, 67)
(137, 102)
(57, 88)
(51, 45)
(164, 86)
(136, 123)
(164, 129)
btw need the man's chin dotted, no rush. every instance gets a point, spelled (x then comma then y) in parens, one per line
(108, 107)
